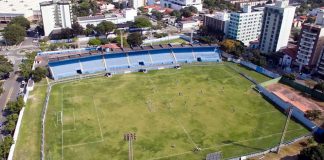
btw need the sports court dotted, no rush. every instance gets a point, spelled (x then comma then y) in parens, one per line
(295, 97)
(170, 114)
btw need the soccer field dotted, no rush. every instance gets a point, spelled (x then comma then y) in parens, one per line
(171, 111)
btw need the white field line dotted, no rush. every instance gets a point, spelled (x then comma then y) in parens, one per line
(62, 105)
(222, 145)
(81, 144)
(183, 128)
(97, 118)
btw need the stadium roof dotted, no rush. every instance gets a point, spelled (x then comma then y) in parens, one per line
(19, 7)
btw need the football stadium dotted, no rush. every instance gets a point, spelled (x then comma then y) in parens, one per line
(159, 102)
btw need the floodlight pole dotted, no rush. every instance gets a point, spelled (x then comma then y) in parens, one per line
(290, 110)
(121, 38)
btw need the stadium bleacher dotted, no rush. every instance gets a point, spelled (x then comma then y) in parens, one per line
(139, 58)
(127, 58)
(116, 61)
(184, 55)
(92, 64)
(65, 68)
(161, 57)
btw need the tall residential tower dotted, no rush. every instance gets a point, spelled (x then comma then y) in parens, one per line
(56, 15)
(276, 26)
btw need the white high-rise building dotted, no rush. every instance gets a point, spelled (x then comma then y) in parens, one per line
(245, 26)
(179, 4)
(137, 3)
(276, 26)
(56, 15)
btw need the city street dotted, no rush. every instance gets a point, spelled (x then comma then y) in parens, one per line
(12, 84)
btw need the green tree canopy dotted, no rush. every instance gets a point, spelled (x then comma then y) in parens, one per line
(22, 21)
(232, 46)
(5, 67)
(5, 146)
(77, 29)
(312, 153)
(14, 34)
(105, 27)
(39, 73)
(134, 39)
(319, 86)
(94, 42)
(26, 66)
(158, 15)
(142, 22)
(176, 13)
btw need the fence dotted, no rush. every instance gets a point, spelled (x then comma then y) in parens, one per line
(259, 69)
(251, 155)
(302, 88)
(272, 81)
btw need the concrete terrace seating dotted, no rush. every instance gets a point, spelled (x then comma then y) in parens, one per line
(129, 59)
(161, 57)
(184, 55)
(92, 64)
(63, 69)
(139, 58)
(116, 61)
(206, 54)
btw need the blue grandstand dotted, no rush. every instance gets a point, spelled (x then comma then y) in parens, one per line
(128, 59)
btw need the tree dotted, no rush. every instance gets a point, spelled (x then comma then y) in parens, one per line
(94, 42)
(77, 29)
(176, 13)
(5, 146)
(312, 153)
(193, 9)
(289, 76)
(5, 67)
(39, 73)
(142, 22)
(12, 117)
(134, 39)
(10, 127)
(105, 27)
(319, 86)
(15, 106)
(232, 46)
(21, 21)
(313, 114)
(14, 34)
(185, 12)
(26, 66)
(158, 15)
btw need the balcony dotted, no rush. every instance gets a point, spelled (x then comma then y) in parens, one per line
(320, 72)
(302, 40)
(299, 61)
(306, 45)
(310, 33)
(305, 50)
(308, 36)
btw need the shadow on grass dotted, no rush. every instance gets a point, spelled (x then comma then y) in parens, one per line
(242, 145)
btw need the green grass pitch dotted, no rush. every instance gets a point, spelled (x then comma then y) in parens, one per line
(171, 111)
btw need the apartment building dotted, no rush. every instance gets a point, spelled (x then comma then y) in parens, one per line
(276, 26)
(311, 42)
(56, 15)
(320, 64)
(245, 26)
(217, 22)
(137, 3)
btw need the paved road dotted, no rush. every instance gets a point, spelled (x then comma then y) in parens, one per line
(12, 84)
